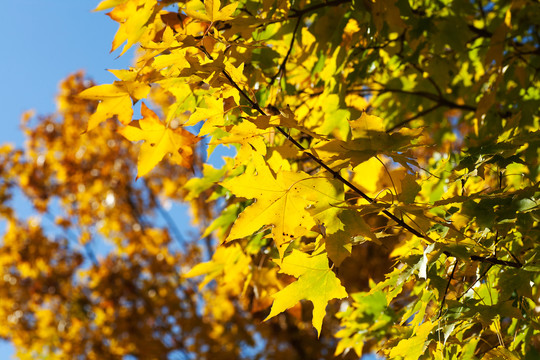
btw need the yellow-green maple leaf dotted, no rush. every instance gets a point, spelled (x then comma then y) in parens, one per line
(316, 283)
(413, 347)
(285, 202)
(159, 139)
(115, 99)
(213, 12)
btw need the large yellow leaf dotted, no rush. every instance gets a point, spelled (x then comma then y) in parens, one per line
(316, 283)
(286, 202)
(159, 140)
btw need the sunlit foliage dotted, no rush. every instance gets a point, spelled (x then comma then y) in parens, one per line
(383, 196)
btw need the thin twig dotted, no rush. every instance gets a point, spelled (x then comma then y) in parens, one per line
(72, 237)
(300, 13)
(431, 81)
(495, 261)
(475, 281)
(281, 69)
(419, 115)
(447, 287)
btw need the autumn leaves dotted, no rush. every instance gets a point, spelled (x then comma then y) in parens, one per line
(205, 72)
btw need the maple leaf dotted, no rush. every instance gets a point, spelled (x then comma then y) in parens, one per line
(353, 230)
(249, 136)
(316, 283)
(212, 115)
(133, 17)
(160, 139)
(107, 4)
(213, 12)
(115, 99)
(285, 202)
(230, 262)
(414, 347)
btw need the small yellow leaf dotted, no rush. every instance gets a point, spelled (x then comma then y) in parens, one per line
(159, 140)
(133, 17)
(413, 347)
(107, 4)
(115, 100)
(213, 12)
(212, 114)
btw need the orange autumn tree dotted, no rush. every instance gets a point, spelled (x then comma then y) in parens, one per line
(383, 196)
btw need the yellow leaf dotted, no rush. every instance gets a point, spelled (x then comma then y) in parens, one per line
(366, 123)
(213, 12)
(286, 202)
(236, 73)
(107, 4)
(247, 134)
(159, 140)
(229, 266)
(133, 17)
(500, 353)
(212, 114)
(413, 347)
(316, 283)
(115, 100)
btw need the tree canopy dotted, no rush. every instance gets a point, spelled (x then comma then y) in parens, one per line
(383, 196)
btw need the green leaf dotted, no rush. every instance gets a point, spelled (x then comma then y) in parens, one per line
(316, 283)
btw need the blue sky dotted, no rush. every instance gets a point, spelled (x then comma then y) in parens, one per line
(43, 41)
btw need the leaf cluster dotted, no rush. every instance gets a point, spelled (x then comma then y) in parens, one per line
(383, 196)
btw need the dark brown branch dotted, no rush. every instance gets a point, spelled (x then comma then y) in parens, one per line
(419, 115)
(281, 69)
(307, 10)
(513, 256)
(447, 287)
(480, 32)
(475, 281)
(495, 261)
(433, 97)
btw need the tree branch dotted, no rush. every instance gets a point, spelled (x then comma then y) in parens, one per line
(419, 115)
(493, 260)
(300, 13)
(334, 173)
(447, 287)
(284, 62)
